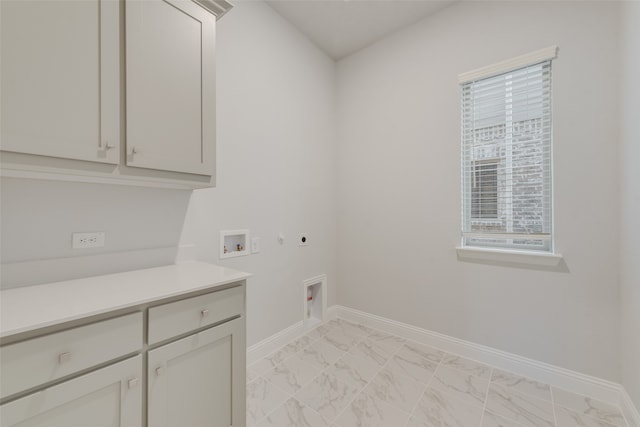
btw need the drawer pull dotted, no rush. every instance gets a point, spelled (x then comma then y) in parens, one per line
(133, 382)
(204, 313)
(64, 357)
(159, 371)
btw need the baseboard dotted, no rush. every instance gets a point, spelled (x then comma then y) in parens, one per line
(282, 338)
(576, 382)
(629, 410)
(567, 379)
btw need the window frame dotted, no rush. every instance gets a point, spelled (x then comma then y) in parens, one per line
(509, 241)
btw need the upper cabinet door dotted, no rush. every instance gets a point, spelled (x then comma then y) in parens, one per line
(60, 86)
(170, 62)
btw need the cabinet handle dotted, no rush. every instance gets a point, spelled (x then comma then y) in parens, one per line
(204, 313)
(64, 357)
(107, 146)
(133, 382)
(133, 150)
(159, 371)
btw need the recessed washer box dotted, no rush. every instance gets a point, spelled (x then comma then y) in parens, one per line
(234, 243)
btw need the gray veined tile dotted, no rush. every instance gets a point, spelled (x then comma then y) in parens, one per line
(492, 420)
(333, 323)
(460, 384)
(417, 422)
(437, 408)
(272, 360)
(252, 374)
(521, 408)
(389, 342)
(292, 374)
(318, 332)
(262, 398)
(341, 340)
(521, 384)
(263, 365)
(467, 365)
(370, 411)
(354, 370)
(568, 418)
(414, 349)
(398, 390)
(321, 354)
(367, 349)
(297, 345)
(327, 395)
(292, 413)
(351, 327)
(593, 408)
(412, 364)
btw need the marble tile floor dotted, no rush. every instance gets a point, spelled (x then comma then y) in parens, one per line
(342, 374)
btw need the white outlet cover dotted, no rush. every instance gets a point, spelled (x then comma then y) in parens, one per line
(87, 240)
(255, 245)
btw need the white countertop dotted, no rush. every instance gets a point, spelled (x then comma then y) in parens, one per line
(32, 307)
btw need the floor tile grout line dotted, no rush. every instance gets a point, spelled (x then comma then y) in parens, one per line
(361, 338)
(486, 397)
(290, 395)
(361, 390)
(364, 333)
(413, 412)
(590, 417)
(553, 407)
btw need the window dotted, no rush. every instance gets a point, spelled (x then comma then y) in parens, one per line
(506, 154)
(484, 190)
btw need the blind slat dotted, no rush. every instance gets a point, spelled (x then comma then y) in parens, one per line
(506, 159)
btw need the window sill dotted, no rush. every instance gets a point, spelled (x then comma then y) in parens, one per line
(510, 256)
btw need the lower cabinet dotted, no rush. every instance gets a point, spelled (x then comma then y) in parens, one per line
(193, 381)
(107, 397)
(182, 367)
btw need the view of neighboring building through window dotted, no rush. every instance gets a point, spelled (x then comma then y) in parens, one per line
(484, 190)
(506, 159)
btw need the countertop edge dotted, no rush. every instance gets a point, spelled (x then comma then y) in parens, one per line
(25, 327)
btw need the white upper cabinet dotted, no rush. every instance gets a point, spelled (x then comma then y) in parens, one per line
(60, 87)
(170, 79)
(109, 91)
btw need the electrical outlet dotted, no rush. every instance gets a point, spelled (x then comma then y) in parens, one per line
(255, 245)
(87, 240)
(303, 240)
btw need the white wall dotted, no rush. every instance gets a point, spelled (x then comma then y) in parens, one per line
(276, 167)
(142, 228)
(630, 201)
(399, 193)
(276, 173)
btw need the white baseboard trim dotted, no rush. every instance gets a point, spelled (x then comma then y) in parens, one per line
(567, 379)
(576, 382)
(629, 410)
(282, 338)
(274, 342)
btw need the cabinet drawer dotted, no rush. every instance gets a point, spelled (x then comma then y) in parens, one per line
(39, 360)
(175, 318)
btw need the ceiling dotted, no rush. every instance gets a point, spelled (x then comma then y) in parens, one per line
(342, 27)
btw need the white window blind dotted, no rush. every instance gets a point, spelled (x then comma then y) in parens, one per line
(506, 159)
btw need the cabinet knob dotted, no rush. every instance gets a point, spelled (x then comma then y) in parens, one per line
(204, 313)
(107, 146)
(64, 357)
(159, 370)
(133, 382)
(133, 150)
